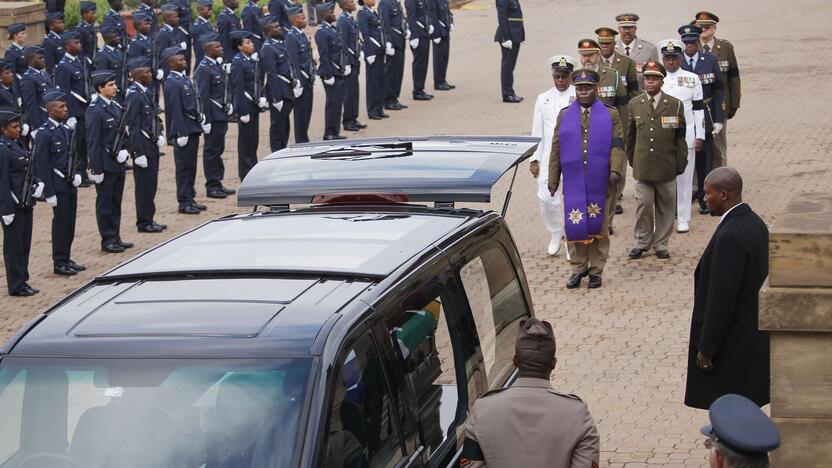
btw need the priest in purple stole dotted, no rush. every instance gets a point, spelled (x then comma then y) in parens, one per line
(588, 151)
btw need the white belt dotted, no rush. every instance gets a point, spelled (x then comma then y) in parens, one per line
(284, 79)
(184, 30)
(420, 24)
(397, 30)
(146, 135)
(216, 103)
(352, 52)
(248, 95)
(305, 75)
(78, 96)
(14, 197)
(443, 24)
(56, 171)
(374, 41)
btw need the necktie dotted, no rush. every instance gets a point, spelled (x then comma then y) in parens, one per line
(585, 118)
(652, 104)
(690, 62)
(707, 48)
(627, 51)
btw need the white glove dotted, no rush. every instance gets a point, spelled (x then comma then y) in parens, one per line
(227, 67)
(160, 74)
(278, 105)
(202, 119)
(160, 142)
(52, 201)
(230, 109)
(182, 141)
(38, 192)
(96, 178)
(141, 161)
(437, 40)
(122, 156)
(262, 103)
(297, 91)
(183, 45)
(361, 56)
(206, 129)
(245, 118)
(347, 70)
(76, 180)
(70, 122)
(717, 129)
(254, 56)
(430, 29)
(24, 130)
(414, 43)
(34, 133)
(8, 219)
(451, 28)
(389, 50)
(407, 34)
(329, 81)
(507, 44)
(371, 60)
(219, 60)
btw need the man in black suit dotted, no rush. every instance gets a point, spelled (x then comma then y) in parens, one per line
(728, 354)
(510, 34)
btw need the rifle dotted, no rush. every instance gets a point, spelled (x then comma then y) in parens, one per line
(86, 82)
(226, 79)
(199, 111)
(121, 133)
(72, 160)
(154, 65)
(26, 198)
(257, 81)
(122, 85)
(342, 56)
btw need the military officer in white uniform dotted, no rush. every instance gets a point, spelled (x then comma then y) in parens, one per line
(546, 110)
(686, 87)
(630, 45)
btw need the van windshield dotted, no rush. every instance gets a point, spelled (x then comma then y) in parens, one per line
(97, 413)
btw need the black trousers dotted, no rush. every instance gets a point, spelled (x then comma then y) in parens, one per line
(507, 62)
(63, 226)
(393, 74)
(212, 150)
(108, 195)
(375, 86)
(420, 64)
(248, 135)
(332, 109)
(352, 94)
(441, 53)
(704, 164)
(279, 125)
(17, 243)
(303, 114)
(185, 160)
(146, 180)
(81, 144)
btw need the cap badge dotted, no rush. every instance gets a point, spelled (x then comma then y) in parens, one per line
(562, 62)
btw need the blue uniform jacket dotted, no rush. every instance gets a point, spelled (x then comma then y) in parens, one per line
(181, 110)
(111, 58)
(243, 73)
(393, 22)
(251, 22)
(707, 67)
(169, 37)
(154, 21)
(300, 56)
(102, 124)
(140, 116)
(89, 40)
(329, 51)
(14, 54)
(8, 97)
(14, 160)
(71, 76)
(440, 13)
(369, 24)
(51, 151)
(211, 81)
(32, 86)
(508, 29)
(280, 79)
(52, 51)
(140, 46)
(277, 8)
(113, 19)
(348, 34)
(199, 27)
(418, 18)
(227, 21)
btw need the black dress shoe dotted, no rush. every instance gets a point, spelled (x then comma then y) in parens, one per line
(401, 105)
(635, 253)
(422, 96)
(112, 248)
(351, 128)
(228, 191)
(359, 124)
(126, 245)
(34, 290)
(188, 209)
(443, 87)
(375, 117)
(619, 209)
(23, 291)
(150, 228)
(385, 116)
(610, 230)
(76, 266)
(160, 226)
(512, 99)
(64, 270)
(216, 193)
(594, 282)
(663, 254)
(334, 137)
(574, 281)
(199, 206)
(393, 107)
(703, 210)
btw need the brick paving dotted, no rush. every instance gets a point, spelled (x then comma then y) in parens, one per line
(621, 348)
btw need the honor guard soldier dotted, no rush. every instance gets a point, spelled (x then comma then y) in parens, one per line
(612, 91)
(147, 7)
(105, 136)
(145, 143)
(348, 34)
(18, 189)
(249, 99)
(9, 98)
(369, 24)
(658, 153)
(72, 77)
(228, 22)
(171, 35)
(300, 57)
(142, 44)
(33, 85)
(112, 58)
(421, 28)
(629, 45)
(546, 110)
(529, 423)
(202, 25)
(184, 26)
(330, 70)
(588, 151)
(705, 65)
(278, 9)
(730, 78)
(213, 85)
(114, 19)
(395, 31)
(14, 53)
(183, 122)
(443, 24)
(87, 28)
(52, 46)
(56, 166)
(250, 17)
(510, 34)
(279, 82)
(624, 65)
(686, 87)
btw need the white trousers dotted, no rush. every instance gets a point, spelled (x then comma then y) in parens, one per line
(684, 190)
(551, 208)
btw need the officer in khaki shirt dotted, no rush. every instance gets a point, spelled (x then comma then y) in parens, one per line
(658, 152)
(529, 424)
(625, 66)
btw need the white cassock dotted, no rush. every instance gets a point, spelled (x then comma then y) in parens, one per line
(546, 111)
(686, 87)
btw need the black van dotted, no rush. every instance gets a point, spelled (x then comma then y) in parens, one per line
(356, 331)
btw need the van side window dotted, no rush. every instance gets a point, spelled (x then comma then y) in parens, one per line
(497, 303)
(362, 431)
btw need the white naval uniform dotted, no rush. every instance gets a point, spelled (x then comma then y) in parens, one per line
(686, 87)
(546, 111)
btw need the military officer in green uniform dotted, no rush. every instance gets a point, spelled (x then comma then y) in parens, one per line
(630, 45)
(658, 152)
(730, 78)
(625, 66)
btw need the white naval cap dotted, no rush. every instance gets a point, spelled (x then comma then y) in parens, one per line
(563, 63)
(671, 46)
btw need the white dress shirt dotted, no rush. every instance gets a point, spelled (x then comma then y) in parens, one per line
(686, 87)
(546, 111)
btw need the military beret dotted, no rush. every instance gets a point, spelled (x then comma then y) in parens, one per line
(267, 20)
(109, 31)
(16, 28)
(35, 49)
(70, 36)
(54, 16)
(535, 345)
(170, 52)
(88, 6)
(207, 37)
(101, 77)
(54, 94)
(294, 10)
(8, 116)
(141, 17)
(588, 46)
(563, 63)
(740, 424)
(139, 62)
(627, 19)
(689, 32)
(653, 68)
(325, 7)
(671, 47)
(5, 65)
(585, 76)
(606, 35)
(706, 17)
(240, 34)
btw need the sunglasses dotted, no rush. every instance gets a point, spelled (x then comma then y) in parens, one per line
(709, 443)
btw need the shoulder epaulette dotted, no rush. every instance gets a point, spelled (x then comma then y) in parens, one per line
(494, 392)
(567, 395)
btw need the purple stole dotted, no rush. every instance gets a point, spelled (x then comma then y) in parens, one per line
(585, 185)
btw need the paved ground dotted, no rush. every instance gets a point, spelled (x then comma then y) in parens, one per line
(621, 348)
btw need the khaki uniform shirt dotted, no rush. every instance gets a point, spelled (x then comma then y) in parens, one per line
(641, 52)
(730, 71)
(531, 425)
(618, 161)
(626, 69)
(656, 146)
